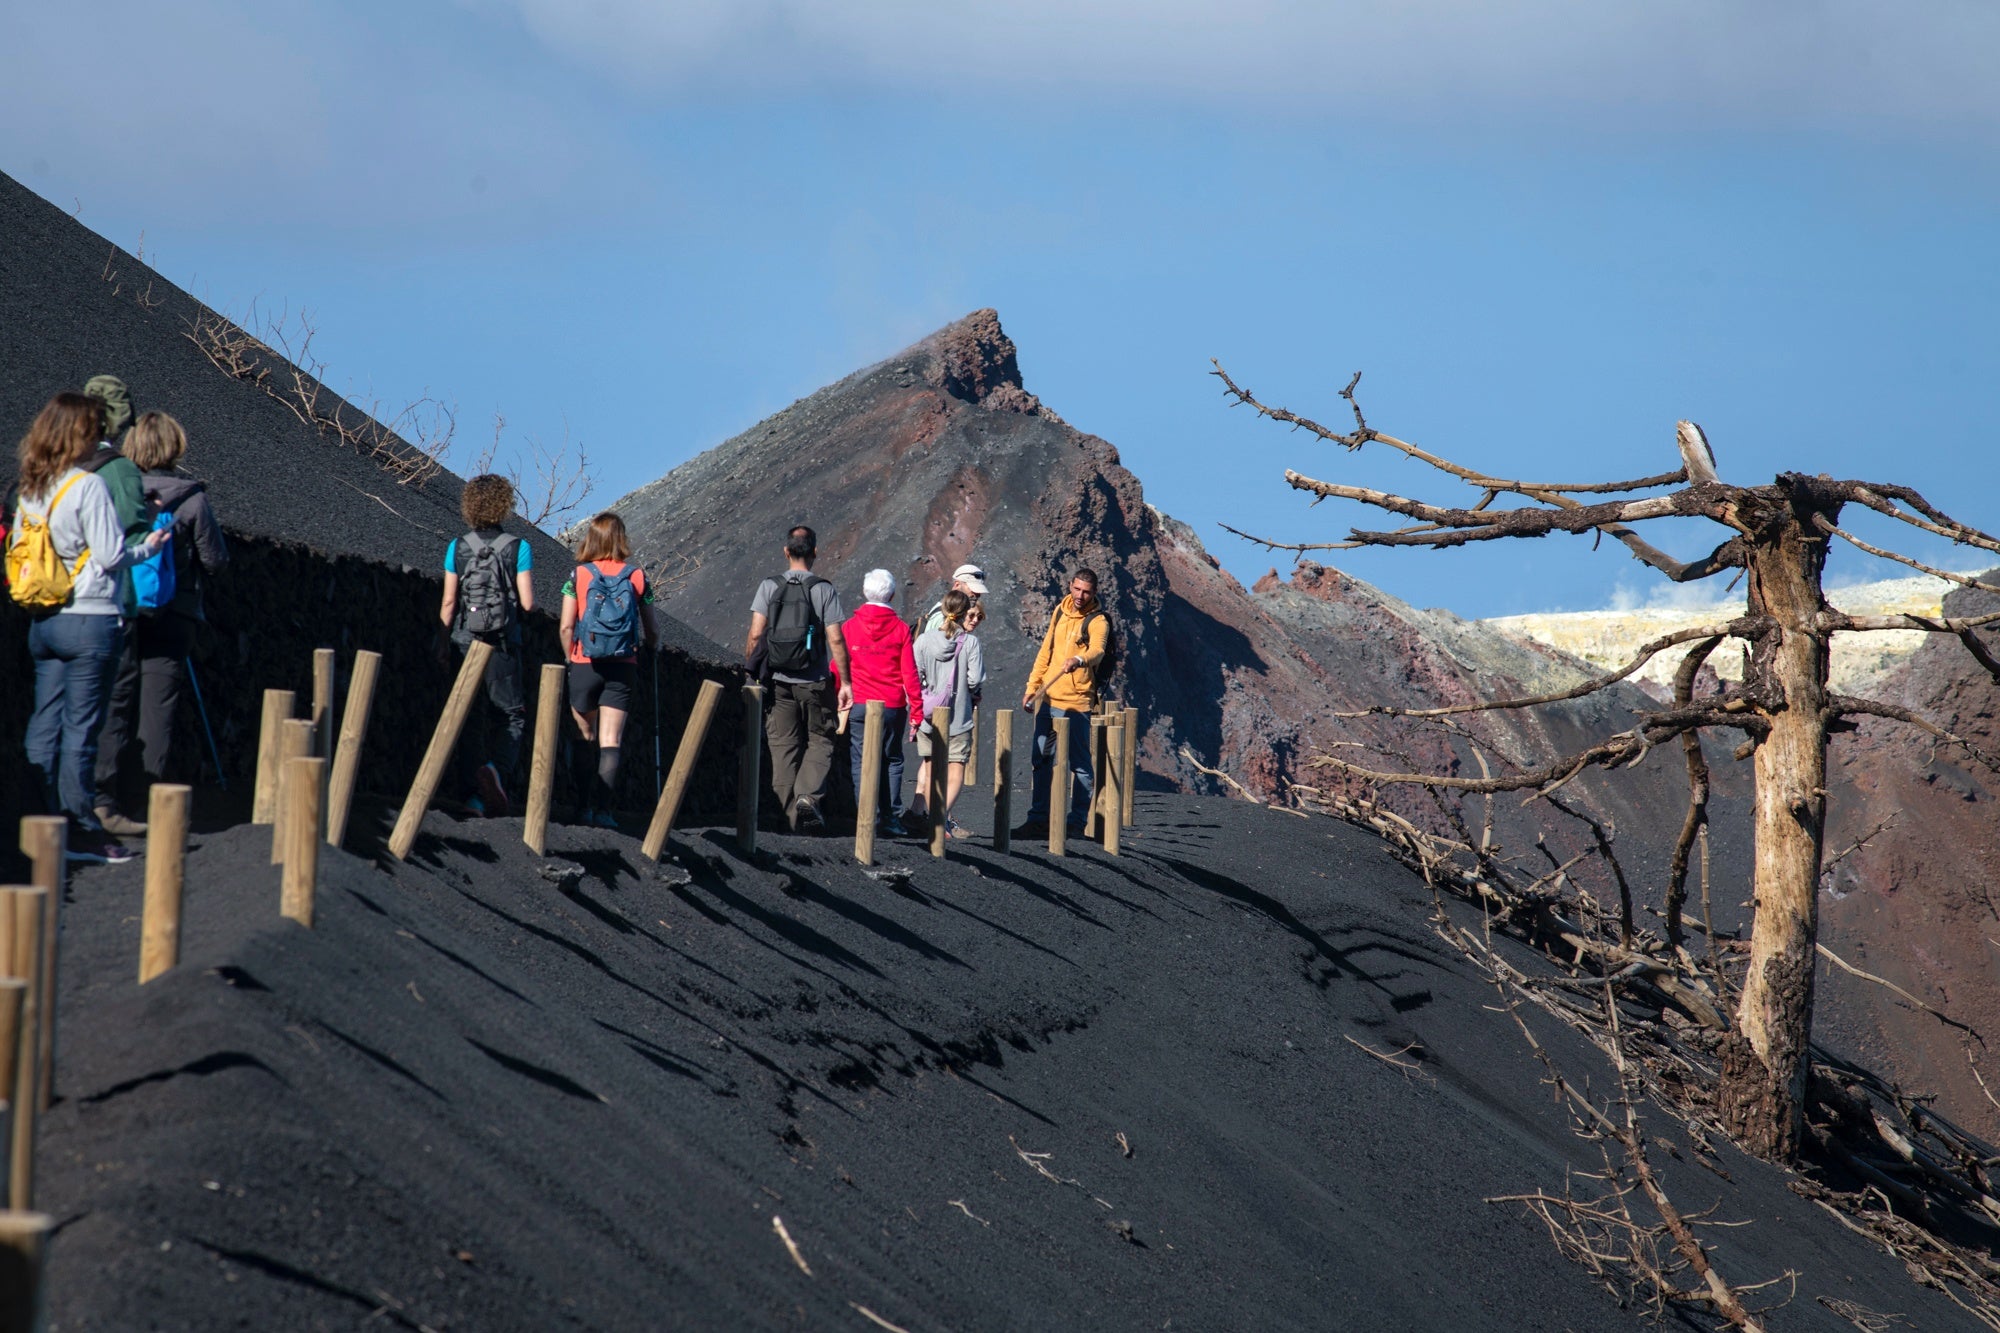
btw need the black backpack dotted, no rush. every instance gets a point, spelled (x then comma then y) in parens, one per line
(794, 633)
(485, 584)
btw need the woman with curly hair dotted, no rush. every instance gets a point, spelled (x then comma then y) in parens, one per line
(488, 587)
(74, 645)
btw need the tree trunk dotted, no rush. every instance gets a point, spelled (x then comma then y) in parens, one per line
(1764, 1062)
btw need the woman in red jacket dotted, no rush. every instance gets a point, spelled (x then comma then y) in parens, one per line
(885, 670)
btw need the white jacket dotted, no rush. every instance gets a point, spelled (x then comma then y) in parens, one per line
(86, 518)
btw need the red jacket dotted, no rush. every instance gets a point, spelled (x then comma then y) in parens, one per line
(885, 667)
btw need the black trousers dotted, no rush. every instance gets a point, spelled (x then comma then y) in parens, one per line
(493, 733)
(137, 739)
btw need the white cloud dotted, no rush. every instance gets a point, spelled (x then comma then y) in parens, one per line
(1782, 62)
(280, 113)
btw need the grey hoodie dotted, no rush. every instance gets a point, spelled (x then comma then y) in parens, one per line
(199, 547)
(935, 658)
(86, 518)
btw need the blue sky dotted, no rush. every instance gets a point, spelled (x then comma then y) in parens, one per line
(1544, 231)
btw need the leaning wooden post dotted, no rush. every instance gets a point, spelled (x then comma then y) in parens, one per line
(45, 842)
(294, 742)
(542, 766)
(1130, 777)
(868, 800)
(13, 1002)
(166, 855)
(1059, 786)
(303, 779)
(347, 757)
(940, 760)
(682, 773)
(277, 708)
(24, 907)
(750, 768)
(1003, 778)
(429, 773)
(23, 1242)
(1112, 821)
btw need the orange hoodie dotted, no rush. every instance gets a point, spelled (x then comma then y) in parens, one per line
(1071, 635)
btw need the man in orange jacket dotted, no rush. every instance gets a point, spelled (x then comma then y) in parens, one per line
(1066, 672)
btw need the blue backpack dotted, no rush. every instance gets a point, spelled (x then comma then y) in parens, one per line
(609, 623)
(155, 578)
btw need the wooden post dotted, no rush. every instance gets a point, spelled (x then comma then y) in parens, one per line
(750, 769)
(1091, 818)
(1059, 787)
(23, 908)
(353, 730)
(542, 767)
(277, 708)
(940, 759)
(1114, 787)
(23, 1242)
(13, 996)
(45, 842)
(868, 800)
(1003, 778)
(303, 779)
(1129, 779)
(682, 773)
(166, 853)
(322, 704)
(429, 773)
(294, 742)
(972, 759)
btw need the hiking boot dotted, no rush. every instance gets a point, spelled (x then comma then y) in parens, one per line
(1032, 828)
(476, 806)
(118, 824)
(601, 819)
(90, 847)
(492, 796)
(806, 817)
(892, 827)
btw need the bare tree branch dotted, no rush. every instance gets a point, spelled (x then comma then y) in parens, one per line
(1697, 773)
(1743, 627)
(1841, 705)
(1268, 544)
(1878, 497)
(1819, 521)
(1841, 622)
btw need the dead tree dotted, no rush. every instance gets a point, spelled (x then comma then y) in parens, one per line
(1777, 535)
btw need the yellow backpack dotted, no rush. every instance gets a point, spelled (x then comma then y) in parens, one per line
(36, 575)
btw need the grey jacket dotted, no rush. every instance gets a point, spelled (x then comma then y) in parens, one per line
(199, 547)
(936, 656)
(86, 518)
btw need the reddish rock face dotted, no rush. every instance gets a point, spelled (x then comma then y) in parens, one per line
(1919, 904)
(940, 455)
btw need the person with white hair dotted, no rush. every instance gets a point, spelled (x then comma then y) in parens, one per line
(882, 668)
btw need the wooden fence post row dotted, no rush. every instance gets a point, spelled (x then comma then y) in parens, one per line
(542, 761)
(1113, 804)
(22, 908)
(45, 842)
(23, 1242)
(304, 779)
(1131, 776)
(1059, 779)
(696, 732)
(295, 739)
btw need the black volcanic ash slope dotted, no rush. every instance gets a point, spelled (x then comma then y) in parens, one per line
(996, 1093)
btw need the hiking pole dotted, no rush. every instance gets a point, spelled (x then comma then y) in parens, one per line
(658, 786)
(194, 688)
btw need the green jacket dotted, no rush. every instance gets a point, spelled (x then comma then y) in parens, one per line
(122, 478)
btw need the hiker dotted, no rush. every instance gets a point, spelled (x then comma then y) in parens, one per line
(879, 649)
(128, 497)
(793, 645)
(166, 592)
(968, 579)
(488, 587)
(1067, 671)
(64, 555)
(953, 669)
(607, 607)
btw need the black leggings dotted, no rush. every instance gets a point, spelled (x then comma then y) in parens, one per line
(145, 697)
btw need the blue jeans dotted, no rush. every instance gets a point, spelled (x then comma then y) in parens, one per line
(74, 657)
(895, 726)
(1043, 757)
